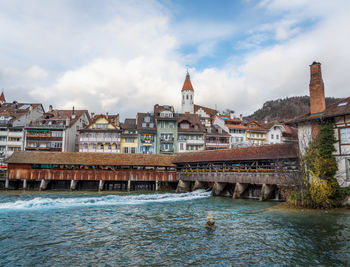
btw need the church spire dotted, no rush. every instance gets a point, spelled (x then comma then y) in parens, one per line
(2, 97)
(187, 84)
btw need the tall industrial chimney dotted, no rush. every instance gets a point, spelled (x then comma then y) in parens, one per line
(317, 98)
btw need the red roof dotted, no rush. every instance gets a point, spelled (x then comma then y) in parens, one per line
(209, 111)
(112, 119)
(187, 84)
(2, 97)
(277, 151)
(339, 108)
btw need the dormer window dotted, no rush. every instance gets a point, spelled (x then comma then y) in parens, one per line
(147, 119)
(252, 125)
(151, 124)
(144, 124)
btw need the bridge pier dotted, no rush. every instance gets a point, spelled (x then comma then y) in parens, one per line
(157, 185)
(24, 184)
(73, 185)
(101, 183)
(198, 185)
(43, 184)
(183, 187)
(239, 190)
(129, 185)
(7, 183)
(266, 192)
(218, 188)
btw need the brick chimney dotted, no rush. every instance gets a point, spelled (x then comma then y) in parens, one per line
(317, 98)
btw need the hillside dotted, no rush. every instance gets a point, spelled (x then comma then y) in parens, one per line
(284, 109)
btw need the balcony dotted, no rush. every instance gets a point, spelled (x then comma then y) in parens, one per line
(15, 134)
(147, 140)
(167, 140)
(168, 150)
(195, 141)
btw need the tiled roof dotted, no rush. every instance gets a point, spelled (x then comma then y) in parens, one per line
(209, 111)
(339, 108)
(15, 109)
(129, 124)
(227, 118)
(2, 97)
(158, 109)
(61, 114)
(193, 120)
(112, 119)
(141, 120)
(187, 84)
(215, 132)
(236, 126)
(77, 158)
(278, 151)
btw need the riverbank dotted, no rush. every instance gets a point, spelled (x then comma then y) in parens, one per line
(288, 207)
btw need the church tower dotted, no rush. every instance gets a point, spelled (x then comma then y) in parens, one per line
(187, 93)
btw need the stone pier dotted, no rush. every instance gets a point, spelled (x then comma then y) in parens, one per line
(239, 190)
(100, 185)
(24, 184)
(73, 185)
(198, 185)
(43, 184)
(183, 187)
(266, 192)
(129, 185)
(218, 188)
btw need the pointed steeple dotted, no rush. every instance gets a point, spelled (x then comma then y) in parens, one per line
(187, 84)
(2, 97)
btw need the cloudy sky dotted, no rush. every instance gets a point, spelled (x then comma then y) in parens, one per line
(125, 56)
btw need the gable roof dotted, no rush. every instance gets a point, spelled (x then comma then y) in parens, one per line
(112, 119)
(16, 110)
(84, 158)
(187, 83)
(141, 120)
(61, 114)
(209, 111)
(2, 97)
(277, 151)
(193, 120)
(339, 108)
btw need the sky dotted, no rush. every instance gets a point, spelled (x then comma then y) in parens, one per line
(126, 56)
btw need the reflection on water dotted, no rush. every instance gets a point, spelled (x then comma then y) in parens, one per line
(76, 229)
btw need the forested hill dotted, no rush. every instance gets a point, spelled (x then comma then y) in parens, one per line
(284, 109)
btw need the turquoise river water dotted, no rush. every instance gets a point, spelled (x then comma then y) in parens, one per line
(165, 229)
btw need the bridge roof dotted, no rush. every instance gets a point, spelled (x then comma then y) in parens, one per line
(277, 151)
(77, 158)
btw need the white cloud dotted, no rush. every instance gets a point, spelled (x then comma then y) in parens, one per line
(125, 57)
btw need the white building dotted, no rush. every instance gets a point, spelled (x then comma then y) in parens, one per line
(191, 133)
(13, 117)
(278, 133)
(187, 93)
(337, 113)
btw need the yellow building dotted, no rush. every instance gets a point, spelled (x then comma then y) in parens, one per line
(101, 135)
(129, 139)
(255, 135)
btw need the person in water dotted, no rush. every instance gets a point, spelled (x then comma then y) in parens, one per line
(210, 221)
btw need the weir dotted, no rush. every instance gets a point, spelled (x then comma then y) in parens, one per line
(249, 172)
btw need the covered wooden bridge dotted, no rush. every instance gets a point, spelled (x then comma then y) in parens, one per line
(89, 171)
(256, 171)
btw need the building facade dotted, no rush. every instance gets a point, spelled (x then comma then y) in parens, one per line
(101, 135)
(166, 121)
(338, 114)
(129, 137)
(216, 138)
(13, 117)
(56, 130)
(255, 134)
(191, 133)
(147, 133)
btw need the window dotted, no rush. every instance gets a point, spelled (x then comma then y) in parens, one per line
(162, 124)
(101, 146)
(85, 145)
(56, 134)
(252, 125)
(271, 136)
(171, 125)
(129, 140)
(187, 97)
(151, 125)
(277, 136)
(147, 119)
(109, 146)
(345, 135)
(93, 146)
(144, 124)
(133, 150)
(126, 150)
(181, 146)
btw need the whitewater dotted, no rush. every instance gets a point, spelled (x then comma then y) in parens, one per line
(40, 203)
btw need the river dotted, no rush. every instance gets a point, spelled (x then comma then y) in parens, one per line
(165, 229)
